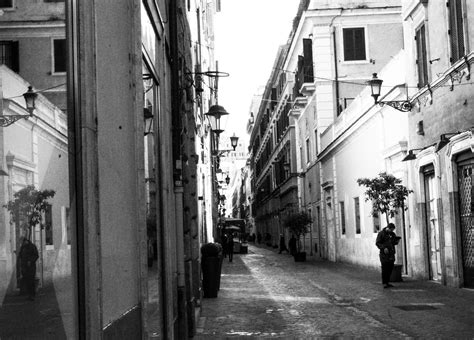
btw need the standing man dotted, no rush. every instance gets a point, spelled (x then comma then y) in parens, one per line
(386, 241)
(28, 256)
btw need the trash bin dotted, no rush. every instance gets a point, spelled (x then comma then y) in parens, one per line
(211, 262)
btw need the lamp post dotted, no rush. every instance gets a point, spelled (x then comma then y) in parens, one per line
(233, 141)
(148, 117)
(214, 115)
(30, 98)
(375, 88)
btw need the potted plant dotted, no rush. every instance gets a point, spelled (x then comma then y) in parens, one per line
(298, 225)
(30, 204)
(27, 208)
(388, 196)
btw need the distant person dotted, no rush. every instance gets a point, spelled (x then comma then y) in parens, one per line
(28, 256)
(230, 247)
(292, 245)
(386, 241)
(283, 245)
(259, 237)
(224, 245)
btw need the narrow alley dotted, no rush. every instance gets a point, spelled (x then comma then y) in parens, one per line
(264, 294)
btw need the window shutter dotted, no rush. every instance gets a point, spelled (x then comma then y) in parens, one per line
(421, 59)
(308, 60)
(456, 29)
(460, 28)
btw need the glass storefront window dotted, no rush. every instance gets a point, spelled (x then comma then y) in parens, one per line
(37, 298)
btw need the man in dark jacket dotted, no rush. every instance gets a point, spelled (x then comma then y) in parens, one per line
(28, 256)
(386, 241)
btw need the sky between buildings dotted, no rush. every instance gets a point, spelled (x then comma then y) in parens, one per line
(247, 36)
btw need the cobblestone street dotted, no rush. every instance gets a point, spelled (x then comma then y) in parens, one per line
(264, 294)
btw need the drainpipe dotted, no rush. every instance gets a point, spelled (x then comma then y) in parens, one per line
(336, 73)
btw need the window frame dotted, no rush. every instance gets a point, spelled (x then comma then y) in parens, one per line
(366, 44)
(342, 218)
(455, 55)
(11, 8)
(14, 46)
(422, 68)
(53, 57)
(316, 143)
(308, 150)
(357, 219)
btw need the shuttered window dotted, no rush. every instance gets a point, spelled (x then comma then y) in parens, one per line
(308, 61)
(357, 214)
(6, 3)
(9, 55)
(59, 55)
(343, 217)
(354, 43)
(456, 29)
(421, 58)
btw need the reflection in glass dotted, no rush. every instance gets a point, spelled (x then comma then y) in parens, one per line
(36, 290)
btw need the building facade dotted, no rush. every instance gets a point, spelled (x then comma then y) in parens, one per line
(439, 42)
(420, 130)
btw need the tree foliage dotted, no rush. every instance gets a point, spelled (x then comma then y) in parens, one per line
(298, 224)
(30, 203)
(386, 193)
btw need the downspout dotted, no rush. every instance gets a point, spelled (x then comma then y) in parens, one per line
(336, 72)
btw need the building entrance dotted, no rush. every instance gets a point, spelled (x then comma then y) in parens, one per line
(466, 207)
(432, 225)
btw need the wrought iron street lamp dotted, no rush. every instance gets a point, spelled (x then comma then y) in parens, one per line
(411, 155)
(215, 114)
(233, 141)
(148, 116)
(30, 98)
(375, 88)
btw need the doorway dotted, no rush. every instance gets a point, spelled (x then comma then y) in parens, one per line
(466, 216)
(432, 225)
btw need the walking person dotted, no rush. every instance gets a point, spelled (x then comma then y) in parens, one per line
(230, 247)
(224, 244)
(386, 241)
(28, 256)
(283, 244)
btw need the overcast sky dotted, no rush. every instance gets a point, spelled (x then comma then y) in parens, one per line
(247, 36)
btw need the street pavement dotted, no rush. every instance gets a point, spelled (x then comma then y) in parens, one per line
(264, 294)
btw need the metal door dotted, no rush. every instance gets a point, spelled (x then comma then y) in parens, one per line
(466, 207)
(432, 227)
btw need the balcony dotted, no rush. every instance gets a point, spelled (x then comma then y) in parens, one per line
(307, 89)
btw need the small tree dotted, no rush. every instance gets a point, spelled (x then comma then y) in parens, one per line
(298, 224)
(30, 203)
(386, 193)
